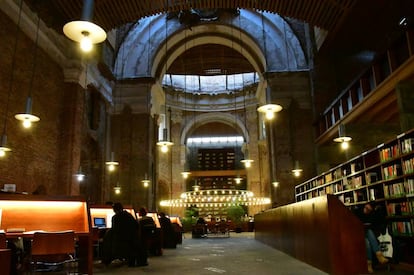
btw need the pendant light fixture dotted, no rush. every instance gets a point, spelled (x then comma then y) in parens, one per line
(186, 171)
(80, 176)
(343, 139)
(3, 146)
(146, 182)
(238, 179)
(165, 143)
(297, 171)
(112, 163)
(27, 118)
(185, 174)
(196, 187)
(247, 161)
(84, 31)
(269, 109)
(117, 189)
(4, 149)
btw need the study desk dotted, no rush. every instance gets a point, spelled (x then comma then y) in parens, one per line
(28, 213)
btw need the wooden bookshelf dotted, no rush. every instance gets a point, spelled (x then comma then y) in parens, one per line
(384, 174)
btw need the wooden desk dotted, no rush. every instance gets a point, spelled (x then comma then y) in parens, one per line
(31, 213)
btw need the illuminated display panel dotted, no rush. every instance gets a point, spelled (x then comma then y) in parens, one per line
(154, 216)
(106, 211)
(29, 214)
(176, 220)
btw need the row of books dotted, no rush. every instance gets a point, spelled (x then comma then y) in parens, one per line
(402, 228)
(407, 145)
(391, 171)
(401, 208)
(389, 153)
(394, 190)
(409, 186)
(408, 166)
(353, 182)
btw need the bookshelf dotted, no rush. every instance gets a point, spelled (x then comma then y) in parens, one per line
(216, 159)
(384, 174)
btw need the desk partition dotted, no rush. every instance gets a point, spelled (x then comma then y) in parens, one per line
(320, 231)
(22, 215)
(106, 212)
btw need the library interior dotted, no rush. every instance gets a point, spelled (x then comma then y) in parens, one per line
(278, 118)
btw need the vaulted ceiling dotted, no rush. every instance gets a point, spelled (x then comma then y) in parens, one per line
(110, 14)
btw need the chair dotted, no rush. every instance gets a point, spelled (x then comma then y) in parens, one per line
(223, 228)
(5, 255)
(51, 250)
(97, 239)
(3, 241)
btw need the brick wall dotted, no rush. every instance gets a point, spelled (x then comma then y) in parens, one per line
(35, 159)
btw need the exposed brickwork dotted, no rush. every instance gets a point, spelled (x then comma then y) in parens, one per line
(35, 159)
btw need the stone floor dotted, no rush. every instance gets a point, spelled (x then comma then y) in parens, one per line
(240, 254)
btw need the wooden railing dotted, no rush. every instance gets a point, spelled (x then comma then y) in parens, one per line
(371, 81)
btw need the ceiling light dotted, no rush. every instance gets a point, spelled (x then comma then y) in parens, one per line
(297, 170)
(269, 110)
(238, 179)
(27, 117)
(117, 190)
(111, 164)
(80, 175)
(84, 31)
(342, 138)
(185, 174)
(3, 147)
(146, 182)
(220, 198)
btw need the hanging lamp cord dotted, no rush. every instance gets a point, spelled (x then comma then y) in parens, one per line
(12, 67)
(34, 57)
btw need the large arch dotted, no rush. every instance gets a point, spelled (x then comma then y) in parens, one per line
(202, 119)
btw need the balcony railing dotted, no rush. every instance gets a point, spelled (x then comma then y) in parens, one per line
(369, 82)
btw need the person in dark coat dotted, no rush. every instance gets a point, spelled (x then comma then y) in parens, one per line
(148, 235)
(122, 240)
(168, 233)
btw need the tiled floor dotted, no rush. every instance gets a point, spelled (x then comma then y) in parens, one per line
(239, 254)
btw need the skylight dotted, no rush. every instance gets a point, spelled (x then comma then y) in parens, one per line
(217, 84)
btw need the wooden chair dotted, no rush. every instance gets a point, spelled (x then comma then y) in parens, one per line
(51, 250)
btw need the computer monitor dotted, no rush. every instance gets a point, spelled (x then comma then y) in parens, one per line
(99, 222)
